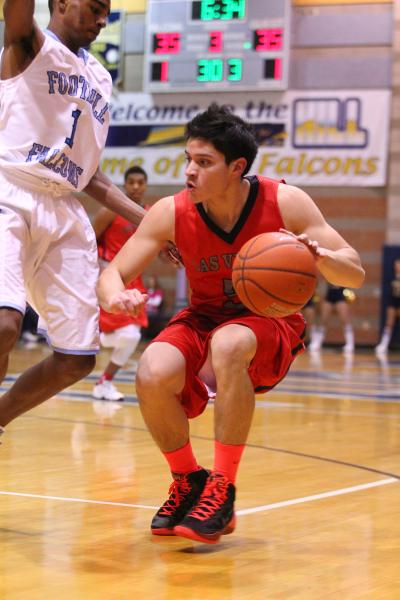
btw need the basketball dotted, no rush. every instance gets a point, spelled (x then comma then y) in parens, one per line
(274, 274)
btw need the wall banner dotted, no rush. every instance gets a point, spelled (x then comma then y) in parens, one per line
(307, 138)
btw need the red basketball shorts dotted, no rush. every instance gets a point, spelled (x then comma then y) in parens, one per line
(279, 341)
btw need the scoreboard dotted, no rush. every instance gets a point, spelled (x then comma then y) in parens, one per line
(216, 45)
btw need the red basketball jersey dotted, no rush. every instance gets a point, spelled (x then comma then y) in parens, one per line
(208, 251)
(114, 237)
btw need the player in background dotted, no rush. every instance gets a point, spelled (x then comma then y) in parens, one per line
(392, 311)
(120, 332)
(337, 299)
(154, 307)
(309, 311)
(54, 116)
(216, 344)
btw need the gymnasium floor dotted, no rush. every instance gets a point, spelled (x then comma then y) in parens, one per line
(318, 494)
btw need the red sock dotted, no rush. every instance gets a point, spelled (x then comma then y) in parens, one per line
(227, 459)
(105, 377)
(182, 460)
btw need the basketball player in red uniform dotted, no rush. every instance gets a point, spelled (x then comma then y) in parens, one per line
(120, 332)
(216, 344)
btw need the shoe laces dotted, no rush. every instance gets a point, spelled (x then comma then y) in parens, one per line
(178, 489)
(212, 498)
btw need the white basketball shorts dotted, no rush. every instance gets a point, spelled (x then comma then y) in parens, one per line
(48, 257)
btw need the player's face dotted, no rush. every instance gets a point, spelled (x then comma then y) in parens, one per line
(207, 174)
(85, 19)
(135, 187)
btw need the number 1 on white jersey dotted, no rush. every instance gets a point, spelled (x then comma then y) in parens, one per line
(75, 115)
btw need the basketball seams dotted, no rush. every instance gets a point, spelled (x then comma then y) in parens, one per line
(258, 286)
(277, 245)
(243, 259)
(274, 275)
(274, 269)
(249, 300)
(253, 241)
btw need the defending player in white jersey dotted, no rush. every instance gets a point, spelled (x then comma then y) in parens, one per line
(54, 114)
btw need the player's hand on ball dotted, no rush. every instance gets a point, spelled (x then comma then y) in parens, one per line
(127, 302)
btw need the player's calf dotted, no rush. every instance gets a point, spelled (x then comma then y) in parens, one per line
(69, 368)
(10, 327)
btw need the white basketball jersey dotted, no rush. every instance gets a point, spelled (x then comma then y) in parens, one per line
(54, 117)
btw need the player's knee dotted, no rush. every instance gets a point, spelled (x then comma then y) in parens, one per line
(225, 354)
(154, 376)
(83, 366)
(129, 339)
(161, 371)
(75, 367)
(149, 375)
(10, 326)
(232, 349)
(121, 355)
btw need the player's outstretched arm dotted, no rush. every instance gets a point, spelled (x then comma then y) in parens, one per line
(101, 188)
(156, 229)
(22, 37)
(338, 262)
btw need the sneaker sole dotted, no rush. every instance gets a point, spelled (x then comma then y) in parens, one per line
(164, 532)
(206, 538)
(108, 399)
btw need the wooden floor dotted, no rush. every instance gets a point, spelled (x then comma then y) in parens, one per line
(318, 495)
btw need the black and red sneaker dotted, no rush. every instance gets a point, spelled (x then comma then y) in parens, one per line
(213, 515)
(184, 492)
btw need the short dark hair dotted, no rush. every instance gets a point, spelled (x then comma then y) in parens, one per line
(227, 132)
(135, 169)
(51, 6)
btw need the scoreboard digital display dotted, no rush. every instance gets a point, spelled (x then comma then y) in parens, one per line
(219, 45)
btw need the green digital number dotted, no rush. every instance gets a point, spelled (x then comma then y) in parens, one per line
(234, 69)
(210, 69)
(225, 10)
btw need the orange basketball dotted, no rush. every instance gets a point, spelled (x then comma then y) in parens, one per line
(274, 274)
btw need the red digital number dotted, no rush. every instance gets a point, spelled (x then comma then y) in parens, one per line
(167, 43)
(164, 71)
(215, 43)
(268, 39)
(159, 71)
(273, 68)
(278, 68)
